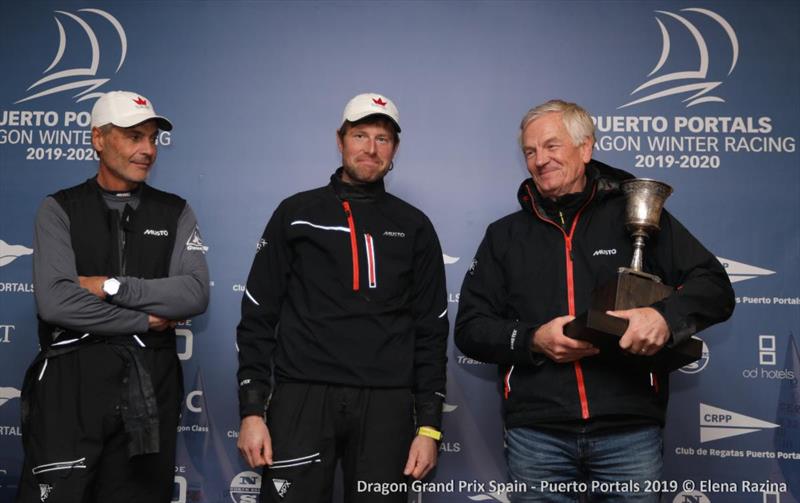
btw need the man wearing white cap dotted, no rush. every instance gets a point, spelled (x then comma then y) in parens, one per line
(354, 278)
(116, 263)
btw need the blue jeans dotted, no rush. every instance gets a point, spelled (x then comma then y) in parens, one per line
(569, 467)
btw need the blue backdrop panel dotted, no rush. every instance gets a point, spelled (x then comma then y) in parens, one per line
(702, 95)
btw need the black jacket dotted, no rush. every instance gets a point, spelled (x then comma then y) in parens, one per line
(348, 288)
(528, 270)
(149, 239)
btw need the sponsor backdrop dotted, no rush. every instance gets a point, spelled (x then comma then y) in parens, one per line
(701, 95)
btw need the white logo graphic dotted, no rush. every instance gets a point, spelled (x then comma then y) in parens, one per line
(7, 394)
(261, 244)
(689, 81)
(74, 75)
(245, 487)
(281, 485)
(195, 242)
(448, 259)
(716, 423)
(153, 232)
(186, 354)
(44, 491)
(5, 333)
(181, 486)
(446, 407)
(190, 404)
(10, 253)
(612, 251)
(738, 271)
(394, 234)
(699, 365)
(691, 497)
(767, 353)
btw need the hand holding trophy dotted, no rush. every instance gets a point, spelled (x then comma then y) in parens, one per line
(632, 287)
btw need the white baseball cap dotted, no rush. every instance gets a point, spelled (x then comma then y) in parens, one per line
(126, 109)
(368, 104)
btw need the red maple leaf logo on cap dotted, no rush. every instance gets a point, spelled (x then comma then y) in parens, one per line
(140, 101)
(379, 101)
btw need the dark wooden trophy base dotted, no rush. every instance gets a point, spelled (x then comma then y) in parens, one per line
(630, 289)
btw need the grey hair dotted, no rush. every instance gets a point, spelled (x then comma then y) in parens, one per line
(576, 120)
(105, 128)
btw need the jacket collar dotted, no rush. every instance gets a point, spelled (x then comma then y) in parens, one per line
(363, 192)
(600, 176)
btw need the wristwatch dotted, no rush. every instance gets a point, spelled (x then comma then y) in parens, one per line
(111, 286)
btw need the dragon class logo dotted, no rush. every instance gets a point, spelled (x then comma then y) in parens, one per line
(697, 81)
(58, 79)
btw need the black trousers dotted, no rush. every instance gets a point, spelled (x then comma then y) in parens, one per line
(74, 438)
(315, 425)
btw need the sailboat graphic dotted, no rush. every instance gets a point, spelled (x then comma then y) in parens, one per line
(91, 83)
(698, 82)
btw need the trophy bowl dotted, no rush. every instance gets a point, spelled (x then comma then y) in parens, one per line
(645, 201)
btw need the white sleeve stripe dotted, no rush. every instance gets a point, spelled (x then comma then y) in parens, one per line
(41, 374)
(246, 292)
(323, 227)
(443, 313)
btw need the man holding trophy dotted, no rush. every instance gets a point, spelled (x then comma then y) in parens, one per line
(585, 399)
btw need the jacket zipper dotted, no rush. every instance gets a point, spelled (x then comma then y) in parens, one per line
(353, 243)
(570, 289)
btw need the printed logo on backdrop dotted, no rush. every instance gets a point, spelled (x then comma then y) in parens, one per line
(6, 395)
(699, 365)
(695, 79)
(739, 271)
(60, 79)
(691, 497)
(768, 358)
(180, 488)
(449, 260)
(194, 417)
(5, 333)
(716, 423)
(695, 136)
(466, 360)
(245, 487)
(185, 336)
(445, 445)
(10, 253)
(64, 135)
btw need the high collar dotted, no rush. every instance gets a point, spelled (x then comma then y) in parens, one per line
(600, 177)
(137, 192)
(362, 192)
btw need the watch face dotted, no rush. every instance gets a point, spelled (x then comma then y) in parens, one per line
(111, 286)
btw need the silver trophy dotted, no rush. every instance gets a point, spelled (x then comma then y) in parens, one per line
(632, 287)
(642, 214)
